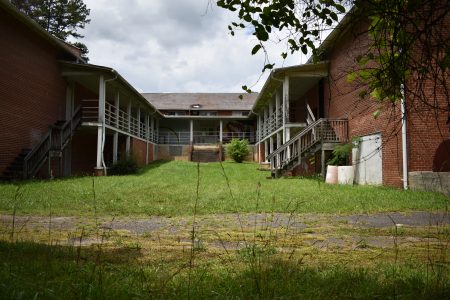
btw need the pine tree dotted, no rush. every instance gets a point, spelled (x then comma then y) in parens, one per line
(61, 18)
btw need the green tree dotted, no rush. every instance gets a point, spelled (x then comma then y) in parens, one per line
(410, 40)
(61, 18)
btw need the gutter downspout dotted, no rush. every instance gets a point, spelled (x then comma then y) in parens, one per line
(404, 138)
(104, 127)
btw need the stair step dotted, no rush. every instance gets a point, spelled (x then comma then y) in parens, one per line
(206, 155)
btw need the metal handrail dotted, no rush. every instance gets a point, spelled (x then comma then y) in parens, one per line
(55, 139)
(323, 130)
(293, 139)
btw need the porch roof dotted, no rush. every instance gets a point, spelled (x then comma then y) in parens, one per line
(304, 73)
(76, 70)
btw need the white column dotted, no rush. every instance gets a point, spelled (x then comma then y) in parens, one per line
(116, 134)
(266, 150)
(259, 126)
(191, 129)
(285, 106)
(101, 120)
(221, 131)
(279, 139)
(271, 144)
(277, 107)
(152, 129)
(139, 121)
(155, 137)
(147, 134)
(269, 117)
(266, 119)
(156, 130)
(128, 141)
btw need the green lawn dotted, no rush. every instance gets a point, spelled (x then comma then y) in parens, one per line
(220, 256)
(169, 189)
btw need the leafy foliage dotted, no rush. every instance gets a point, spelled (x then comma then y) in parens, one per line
(124, 167)
(61, 18)
(238, 150)
(340, 155)
(410, 40)
(84, 50)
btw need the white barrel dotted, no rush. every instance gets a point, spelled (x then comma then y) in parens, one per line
(346, 175)
(332, 175)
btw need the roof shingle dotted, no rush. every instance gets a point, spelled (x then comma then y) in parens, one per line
(208, 101)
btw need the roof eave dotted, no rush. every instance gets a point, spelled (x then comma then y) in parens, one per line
(114, 73)
(277, 76)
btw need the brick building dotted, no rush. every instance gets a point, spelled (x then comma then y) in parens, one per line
(61, 116)
(304, 111)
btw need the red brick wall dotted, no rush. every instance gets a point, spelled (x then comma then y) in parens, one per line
(84, 152)
(32, 91)
(427, 127)
(260, 153)
(139, 151)
(342, 100)
(427, 130)
(151, 150)
(429, 102)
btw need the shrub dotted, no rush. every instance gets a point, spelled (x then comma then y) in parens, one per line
(124, 167)
(341, 154)
(238, 149)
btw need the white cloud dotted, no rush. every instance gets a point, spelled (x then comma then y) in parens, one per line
(172, 45)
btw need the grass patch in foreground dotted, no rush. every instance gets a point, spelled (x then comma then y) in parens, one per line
(37, 271)
(169, 189)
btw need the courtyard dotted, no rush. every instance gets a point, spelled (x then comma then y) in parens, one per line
(220, 230)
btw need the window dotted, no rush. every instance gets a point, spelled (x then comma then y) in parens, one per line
(239, 113)
(208, 113)
(176, 113)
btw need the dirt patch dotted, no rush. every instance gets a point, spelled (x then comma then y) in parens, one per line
(381, 220)
(35, 222)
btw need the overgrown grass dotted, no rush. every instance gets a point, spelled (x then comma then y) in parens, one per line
(168, 188)
(34, 271)
(255, 256)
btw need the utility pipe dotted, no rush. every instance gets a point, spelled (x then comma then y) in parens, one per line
(404, 138)
(103, 122)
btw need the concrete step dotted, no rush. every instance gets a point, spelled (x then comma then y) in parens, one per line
(205, 156)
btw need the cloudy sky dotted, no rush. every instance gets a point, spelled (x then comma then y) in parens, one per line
(174, 46)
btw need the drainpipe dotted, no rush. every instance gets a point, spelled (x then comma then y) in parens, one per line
(104, 126)
(404, 138)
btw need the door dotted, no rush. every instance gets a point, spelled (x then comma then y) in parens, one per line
(367, 160)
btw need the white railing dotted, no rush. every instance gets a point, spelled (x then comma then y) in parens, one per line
(117, 118)
(272, 123)
(174, 137)
(202, 137)
(323, 130)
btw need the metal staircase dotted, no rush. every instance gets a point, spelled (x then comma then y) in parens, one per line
(308, 141)
(29, 162)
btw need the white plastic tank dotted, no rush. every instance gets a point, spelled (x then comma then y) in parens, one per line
(332, 175)
(346, 175)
